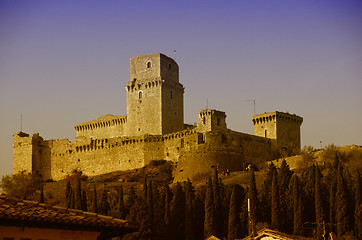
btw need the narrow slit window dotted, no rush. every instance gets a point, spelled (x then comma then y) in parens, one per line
(148, 64)
(140, 95)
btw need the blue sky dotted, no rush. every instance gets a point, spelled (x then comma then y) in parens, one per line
(67, 62)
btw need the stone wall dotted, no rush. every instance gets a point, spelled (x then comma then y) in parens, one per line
(194, 153)
(105, 126)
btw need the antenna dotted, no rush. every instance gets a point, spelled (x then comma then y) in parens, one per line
(174, 54)
(254, 104)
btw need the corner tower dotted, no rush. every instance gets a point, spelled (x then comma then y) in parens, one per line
(154, 96)
(283, 127)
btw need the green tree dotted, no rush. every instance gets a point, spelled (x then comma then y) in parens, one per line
(332, 207)
(78, 195)
(253, 196)
(297, 207)
(41, 197)
(275, 204)
(189, 217)
(84, 206)
(342, 221)
(105, 207)
(177, 224)
(358, 207)
(22, 185)
(217, 204)
(121, 207)
(199, 215)
(210, 223)
(234, 224)
(265, 194)
(284, 175)
(94, 207)
(319, 206)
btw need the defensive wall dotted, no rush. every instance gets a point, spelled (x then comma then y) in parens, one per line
(193, 153)
(154, 129)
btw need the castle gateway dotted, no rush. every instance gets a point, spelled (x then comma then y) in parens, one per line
(154, 129)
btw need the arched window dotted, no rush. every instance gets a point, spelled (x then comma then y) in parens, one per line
(140, 95)
(148, 64)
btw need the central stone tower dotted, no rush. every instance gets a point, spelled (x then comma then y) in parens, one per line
(154, 96)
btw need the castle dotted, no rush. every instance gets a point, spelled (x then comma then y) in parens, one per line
(154, 129)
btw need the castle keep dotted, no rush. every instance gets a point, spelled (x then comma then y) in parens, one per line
(154, 129)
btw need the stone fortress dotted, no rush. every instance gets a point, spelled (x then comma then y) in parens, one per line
(154, 129)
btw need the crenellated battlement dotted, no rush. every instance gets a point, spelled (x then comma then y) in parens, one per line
(154, 129)
(274, 116)
(102, 122)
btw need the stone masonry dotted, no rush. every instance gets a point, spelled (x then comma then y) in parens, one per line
(154, 130)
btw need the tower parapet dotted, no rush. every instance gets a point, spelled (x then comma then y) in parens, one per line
(283, 127)
(210, 120)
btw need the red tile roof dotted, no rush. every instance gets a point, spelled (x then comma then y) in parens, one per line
(14, 212)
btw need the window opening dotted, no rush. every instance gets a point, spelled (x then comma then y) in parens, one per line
(171, 95)
(140, 95)
(169, 66)
(148, 64)
(266, 133)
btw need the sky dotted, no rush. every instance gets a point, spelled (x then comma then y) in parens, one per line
(67, 62)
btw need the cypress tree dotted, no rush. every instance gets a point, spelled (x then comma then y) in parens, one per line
(234, 224)
(68, 194)
(84, 201)
(178, 213)
(319, 206)
(121, 207)
(332, 207)
(341, 206)
(209, 223)
(275, 204)
(72, 202)
(358, 207)
(104, 209)
(189, 220)
(253, 196)
(95, 204)
(113, 203)
(297, 207)
(150, 210)
(284, 176)
(149, 201)
(167, 216)
(265, 194)
(78, 195)
(217, 205)
(309, 190)
(199, 216)
(41, 197)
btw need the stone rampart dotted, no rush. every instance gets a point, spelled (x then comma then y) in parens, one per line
(108, 125)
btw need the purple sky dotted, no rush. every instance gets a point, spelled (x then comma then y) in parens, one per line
(67, 62)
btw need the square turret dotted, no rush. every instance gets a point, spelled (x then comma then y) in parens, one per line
(154, 96)
(283, 127)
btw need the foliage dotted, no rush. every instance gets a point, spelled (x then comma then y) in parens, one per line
(22, 185)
